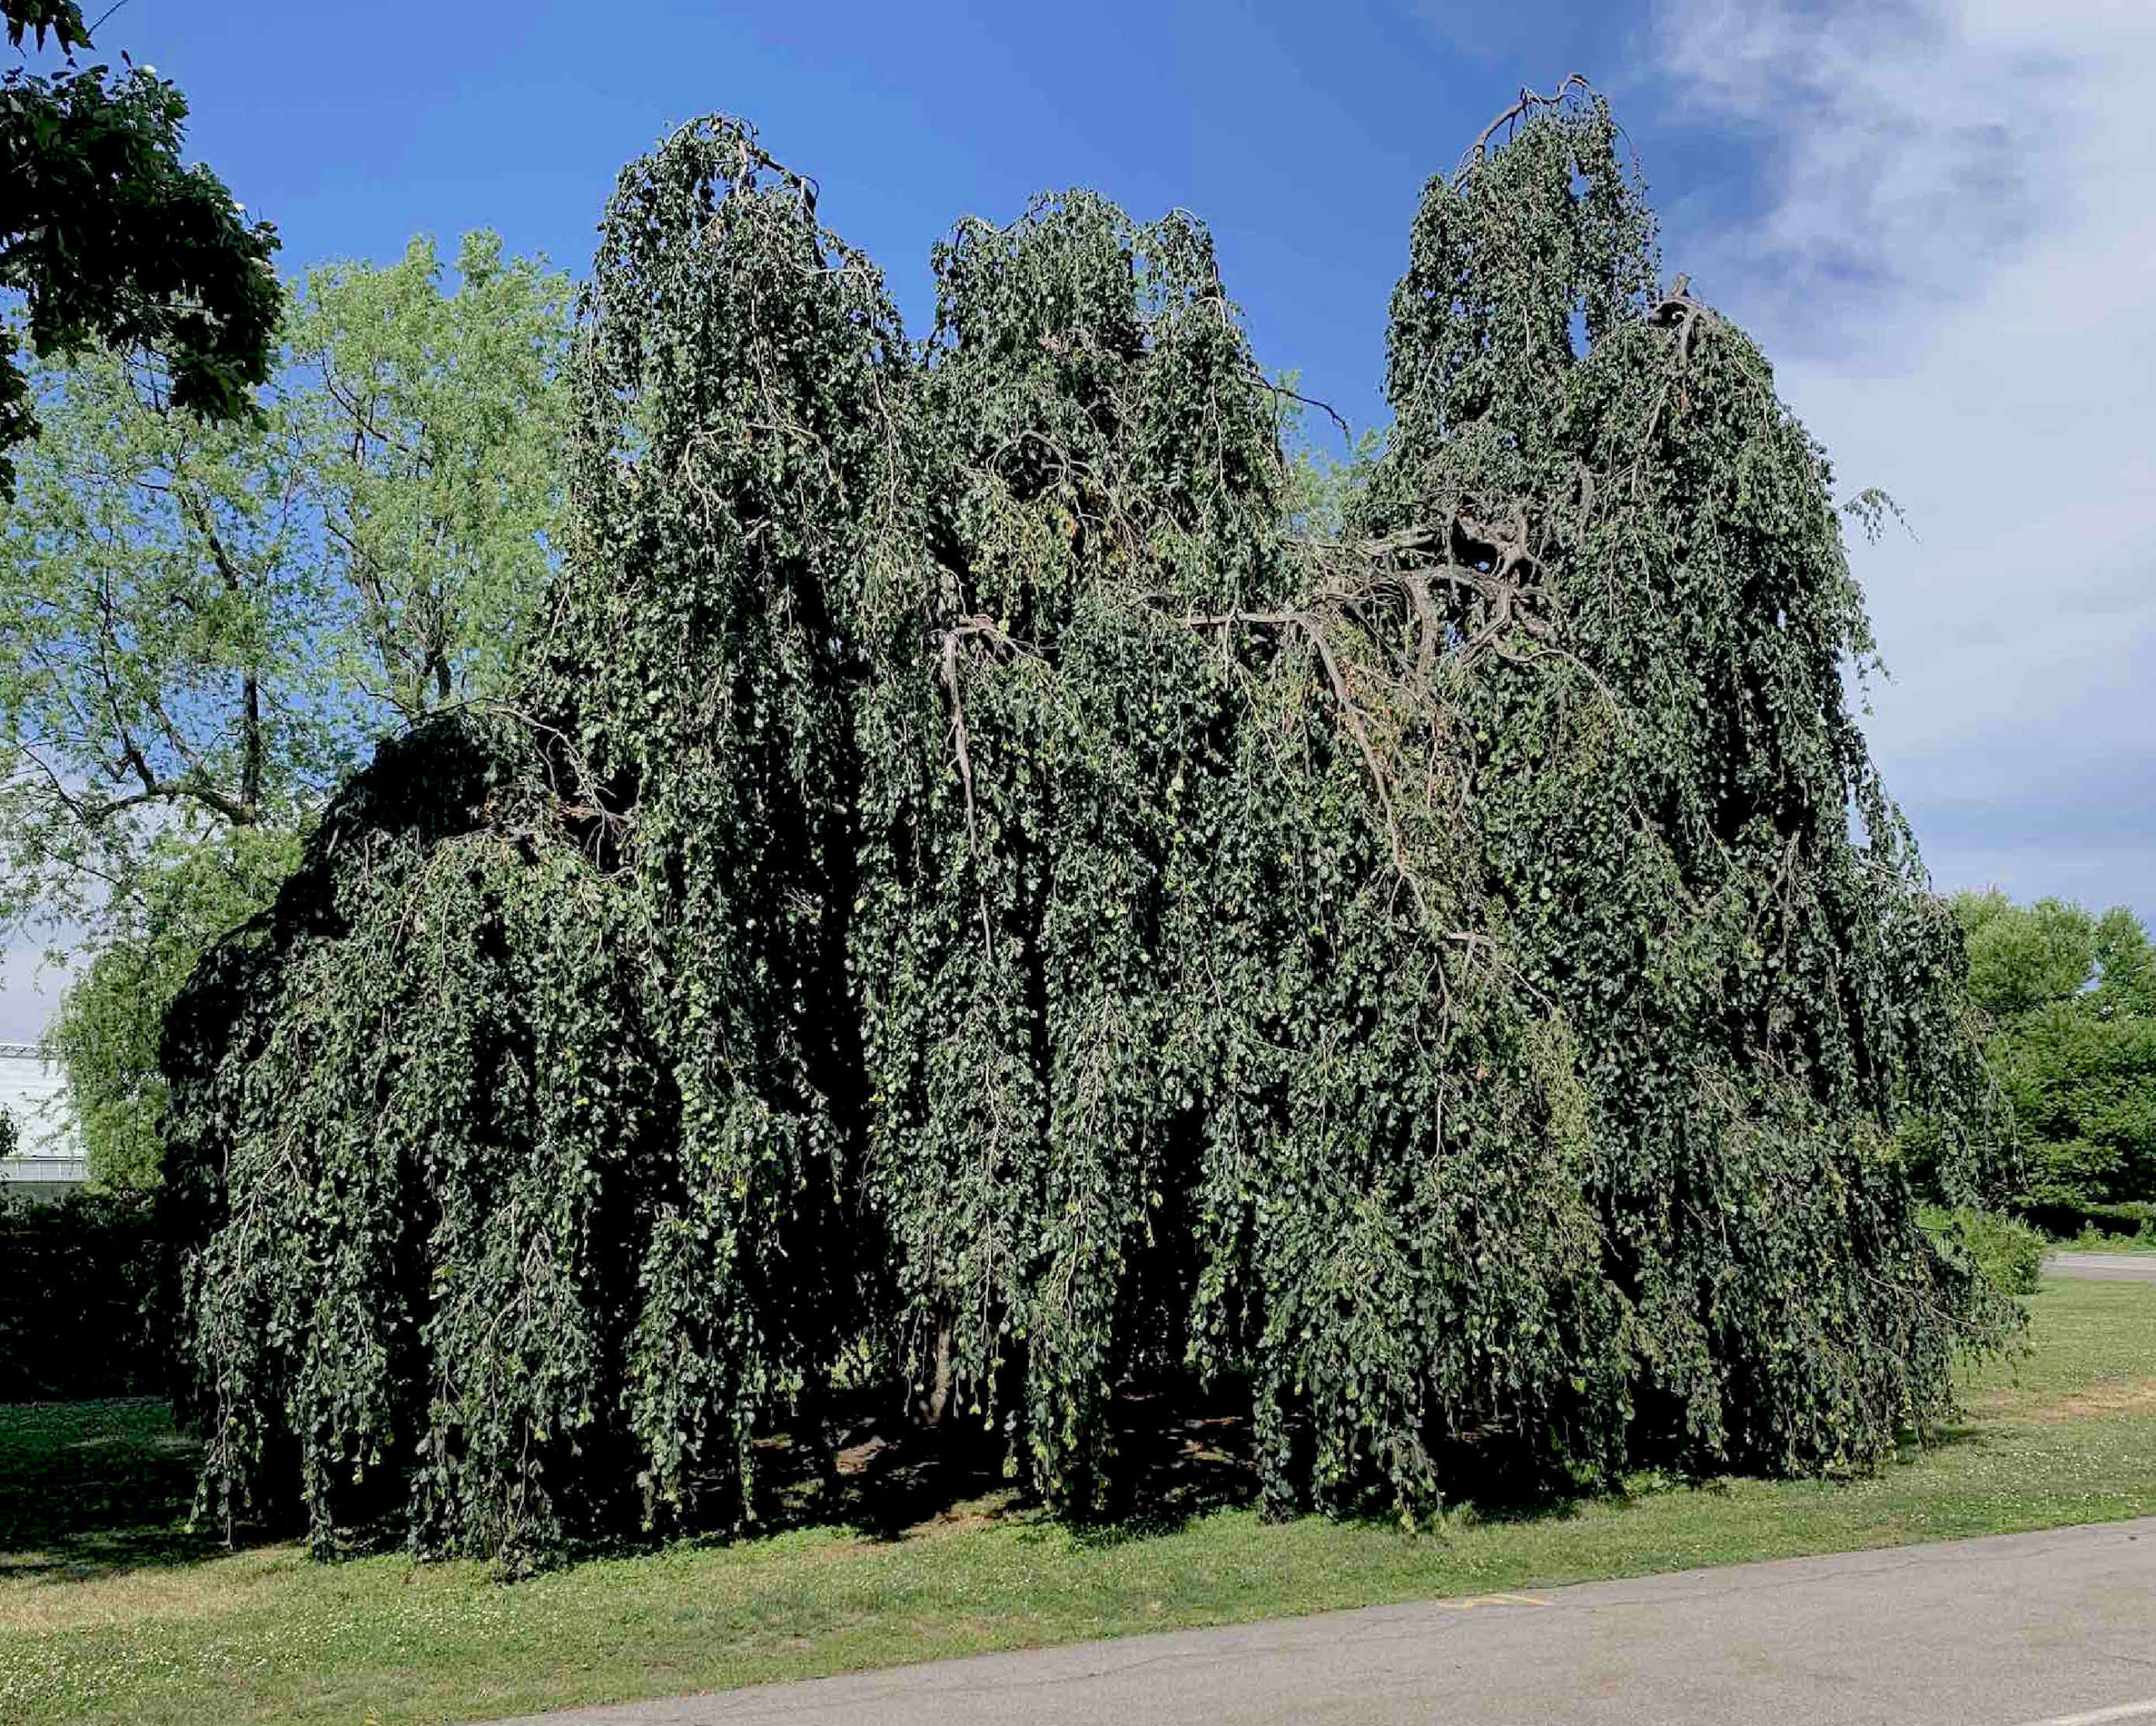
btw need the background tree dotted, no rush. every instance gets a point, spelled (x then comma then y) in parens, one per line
(194, 889)
(429, 428)
(205, 626)
(165, 671)
(2072, 997)
(110, 240)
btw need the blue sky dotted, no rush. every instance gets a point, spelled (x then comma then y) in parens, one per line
(1300, 133)
(1939, 215)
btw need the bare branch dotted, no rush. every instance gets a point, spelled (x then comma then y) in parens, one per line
(1479, 150)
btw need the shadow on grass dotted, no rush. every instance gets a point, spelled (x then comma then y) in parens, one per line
(1173, 1460)
(98, 1488)
(91, 1489)
(1911, 1447)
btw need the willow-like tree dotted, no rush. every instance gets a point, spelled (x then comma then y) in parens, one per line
(973, 905)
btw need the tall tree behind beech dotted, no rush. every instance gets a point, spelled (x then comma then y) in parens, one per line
(206, 626)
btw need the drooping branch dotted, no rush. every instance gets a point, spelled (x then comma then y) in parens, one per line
(1311, 626)
(1331, 412)
(1528, 103)
(1677, 310)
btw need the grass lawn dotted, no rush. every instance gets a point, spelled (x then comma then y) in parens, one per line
(2092, 1240)
(109, 1612)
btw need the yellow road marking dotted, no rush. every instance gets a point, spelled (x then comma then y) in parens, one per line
(1464, 1602)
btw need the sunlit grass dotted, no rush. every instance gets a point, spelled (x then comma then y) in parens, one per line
(131, 1625)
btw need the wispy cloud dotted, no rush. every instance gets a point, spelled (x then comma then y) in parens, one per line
(1904, 141)
(1954, 248)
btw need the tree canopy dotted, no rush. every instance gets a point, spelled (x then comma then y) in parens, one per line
(2072, 1000)
(974, 900)
(205, 626)
(110, 240)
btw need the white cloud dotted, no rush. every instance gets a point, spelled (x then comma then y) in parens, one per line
(1957, 243)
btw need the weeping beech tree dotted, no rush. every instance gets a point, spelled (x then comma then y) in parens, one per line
(972, 907)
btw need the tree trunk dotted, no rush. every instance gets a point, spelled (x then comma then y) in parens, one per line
(937, 1402)
(253, 749)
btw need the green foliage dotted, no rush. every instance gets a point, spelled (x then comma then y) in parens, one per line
(736, 472)
(79, 1316)
(2019, 959)
(585, 1101)
(111, 242)
(1324, 489)
(2084, 1089)
(1646, 576)
(992, 878)
(494, 1033)
(205, 626)
(61, 19)
(1101, 456)
(105, 1035)
(429, 427)
(2005, 1248)
(2126, 965)
(2072, 1001)
(161, 673)
(2098, 1228)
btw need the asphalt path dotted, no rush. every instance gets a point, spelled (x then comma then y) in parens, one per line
(2052, 1629)
(2104, 1267)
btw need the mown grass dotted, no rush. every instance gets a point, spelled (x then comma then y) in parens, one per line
(2092, 1239)
(102, 1619)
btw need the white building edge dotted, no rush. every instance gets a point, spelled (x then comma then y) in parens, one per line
(48, 1163)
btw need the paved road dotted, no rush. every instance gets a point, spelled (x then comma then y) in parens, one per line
(2104, 1267)
(2055, 1628)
